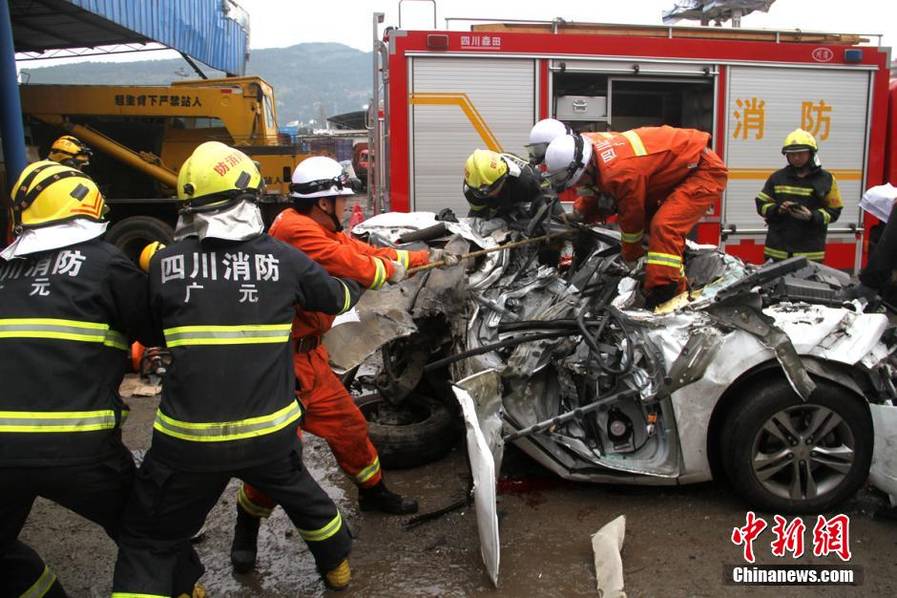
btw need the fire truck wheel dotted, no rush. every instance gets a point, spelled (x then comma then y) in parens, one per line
(782, 454)
(418, 431)
(132, 234)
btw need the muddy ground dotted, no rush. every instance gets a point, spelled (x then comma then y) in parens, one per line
(677, 539)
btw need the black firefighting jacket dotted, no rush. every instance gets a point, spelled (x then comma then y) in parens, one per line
(226, 309)
(787, 236)
(521, 186)
(66, 318)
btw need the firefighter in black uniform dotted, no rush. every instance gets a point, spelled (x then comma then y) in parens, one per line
(499, 185)
(70, 151)
(224, 298)
(798, 202)
(69, 304)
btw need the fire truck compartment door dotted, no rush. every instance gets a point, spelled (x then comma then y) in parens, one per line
(765, 104)
(458, 105)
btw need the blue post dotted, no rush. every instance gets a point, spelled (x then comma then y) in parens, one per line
(10, 107)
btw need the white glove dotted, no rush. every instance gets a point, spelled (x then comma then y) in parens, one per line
(398, 272)
(449, 259)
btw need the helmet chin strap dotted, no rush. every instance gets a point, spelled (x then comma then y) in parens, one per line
(337, 225)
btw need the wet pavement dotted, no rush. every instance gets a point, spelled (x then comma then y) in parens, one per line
(677, 539)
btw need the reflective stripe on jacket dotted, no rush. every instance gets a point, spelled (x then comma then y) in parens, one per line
(66, 317)
(225, 310)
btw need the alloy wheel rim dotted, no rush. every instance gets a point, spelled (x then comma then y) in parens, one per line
(803, 452)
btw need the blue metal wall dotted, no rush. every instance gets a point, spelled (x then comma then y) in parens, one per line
(198, 28)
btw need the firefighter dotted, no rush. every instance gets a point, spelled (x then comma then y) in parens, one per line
(70, 151)
(498, 185)
(662, 179)
(319, 191)
(543, 133)
(69, 303)
(224, 296)
(798, 202)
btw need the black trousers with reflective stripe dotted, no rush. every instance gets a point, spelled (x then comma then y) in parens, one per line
(169, 506)
(96, 491)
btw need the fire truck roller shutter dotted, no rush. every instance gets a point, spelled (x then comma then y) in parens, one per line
(764, 105)
(458, 105)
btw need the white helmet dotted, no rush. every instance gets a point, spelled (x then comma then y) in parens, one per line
(544, 132)
(319, 176)
(566, 159)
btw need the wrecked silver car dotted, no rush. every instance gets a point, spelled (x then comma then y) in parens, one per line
(758, 374)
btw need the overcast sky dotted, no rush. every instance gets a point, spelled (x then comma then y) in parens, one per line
(275, 23)
(279, 23)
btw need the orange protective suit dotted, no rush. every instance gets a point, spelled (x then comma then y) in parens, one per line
(662, 177)
(330, 412)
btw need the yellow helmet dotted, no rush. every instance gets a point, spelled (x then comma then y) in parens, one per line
(70, 151)
(799, 140)
(217, 176)
(484, 171)
(147, 254)
(49, 193)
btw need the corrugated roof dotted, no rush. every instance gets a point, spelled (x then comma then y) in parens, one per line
(214, 32)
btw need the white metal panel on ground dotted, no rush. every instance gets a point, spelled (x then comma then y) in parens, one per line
(459, 105)
(765, 104)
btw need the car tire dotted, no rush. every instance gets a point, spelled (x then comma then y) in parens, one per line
(418, 431)
(132, 234)
(775, 463)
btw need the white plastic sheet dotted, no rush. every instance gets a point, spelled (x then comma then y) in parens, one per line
(607, 543)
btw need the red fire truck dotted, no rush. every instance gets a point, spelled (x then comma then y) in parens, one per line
(445, 93)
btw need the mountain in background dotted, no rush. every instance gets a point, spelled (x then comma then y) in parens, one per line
(308, 79)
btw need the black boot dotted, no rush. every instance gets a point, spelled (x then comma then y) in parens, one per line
(246, 534)
(379, 498)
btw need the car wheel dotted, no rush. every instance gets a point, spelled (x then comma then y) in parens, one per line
(418, 431)
(132, 234)
(782, 454)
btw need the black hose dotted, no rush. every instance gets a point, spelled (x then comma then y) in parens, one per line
(423, 234)
(559, 324)
(508, 342)
(626, 362)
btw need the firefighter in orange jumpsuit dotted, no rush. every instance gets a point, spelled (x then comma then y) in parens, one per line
(319, 191)
(660, 178)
